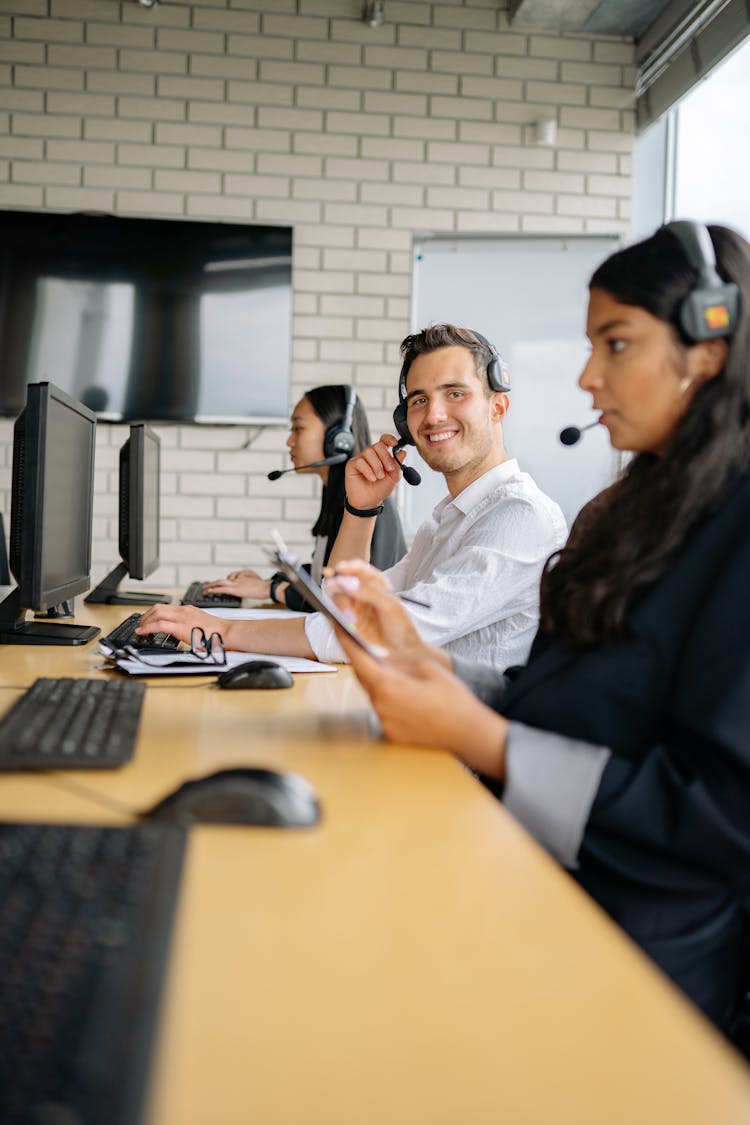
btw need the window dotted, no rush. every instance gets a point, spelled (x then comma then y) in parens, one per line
(694, 162)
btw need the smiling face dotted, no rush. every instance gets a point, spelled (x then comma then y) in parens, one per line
(306, 436)
(454, 422)
(641, 378)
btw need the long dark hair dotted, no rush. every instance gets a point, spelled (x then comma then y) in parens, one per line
(329, 403)
(628, 542)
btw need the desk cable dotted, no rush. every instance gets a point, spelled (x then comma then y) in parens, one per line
(62, 781)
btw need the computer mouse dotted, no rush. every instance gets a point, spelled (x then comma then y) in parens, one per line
(256, 674)
(247, 795)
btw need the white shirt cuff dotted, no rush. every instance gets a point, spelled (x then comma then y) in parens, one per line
(551, 782)
(322, 639)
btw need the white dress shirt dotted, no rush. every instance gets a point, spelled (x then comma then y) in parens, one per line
(477, 562)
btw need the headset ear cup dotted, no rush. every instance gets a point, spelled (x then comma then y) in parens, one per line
(711, 309)
(402, 428)
(707, 313)
(497, 373)
(338, 440)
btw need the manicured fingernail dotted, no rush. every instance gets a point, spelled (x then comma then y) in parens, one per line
(342, 584)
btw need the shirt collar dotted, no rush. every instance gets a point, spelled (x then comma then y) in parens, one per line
(475, 492)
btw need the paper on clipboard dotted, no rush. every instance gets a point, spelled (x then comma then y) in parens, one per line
(170, 664)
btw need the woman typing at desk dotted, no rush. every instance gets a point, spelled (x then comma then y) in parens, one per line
(624, 744)
(328, 426)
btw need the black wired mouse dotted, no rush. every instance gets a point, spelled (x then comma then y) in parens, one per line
(248, 795)
(256, 674)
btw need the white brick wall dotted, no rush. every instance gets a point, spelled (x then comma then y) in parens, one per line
(296, 112)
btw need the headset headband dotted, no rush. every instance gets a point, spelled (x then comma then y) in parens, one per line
(351, 398)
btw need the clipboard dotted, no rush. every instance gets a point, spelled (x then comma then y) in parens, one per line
(291, 568)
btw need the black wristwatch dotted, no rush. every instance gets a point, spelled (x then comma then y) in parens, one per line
(276, 581)
(363, 513)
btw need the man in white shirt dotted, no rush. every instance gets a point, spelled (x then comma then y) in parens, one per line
(477, 561)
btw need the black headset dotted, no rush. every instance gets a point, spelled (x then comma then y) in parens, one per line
(711, 308)
(497, 377)
(339, 438)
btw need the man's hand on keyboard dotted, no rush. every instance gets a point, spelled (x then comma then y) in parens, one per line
(179, 620)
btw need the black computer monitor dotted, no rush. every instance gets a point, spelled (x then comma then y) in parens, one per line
(138, 520)
(52, 496)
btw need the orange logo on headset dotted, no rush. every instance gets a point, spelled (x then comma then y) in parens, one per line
(716, 316)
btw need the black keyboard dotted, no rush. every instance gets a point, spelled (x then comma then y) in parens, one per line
(194, 596)
(72, 724)
(125, 634)
(85, 919)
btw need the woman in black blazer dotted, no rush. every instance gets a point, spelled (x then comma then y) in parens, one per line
(624, 744)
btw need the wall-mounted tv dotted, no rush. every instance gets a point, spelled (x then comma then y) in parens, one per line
(161, 320)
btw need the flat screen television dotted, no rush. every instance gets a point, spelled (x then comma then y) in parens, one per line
(52, 498)
(149, 319)
(138, 520)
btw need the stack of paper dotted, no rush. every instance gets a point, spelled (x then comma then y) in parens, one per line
(186, 664)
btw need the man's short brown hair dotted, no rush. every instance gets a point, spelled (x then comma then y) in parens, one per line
(438, 336)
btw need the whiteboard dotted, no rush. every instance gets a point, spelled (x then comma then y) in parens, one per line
(528, 295)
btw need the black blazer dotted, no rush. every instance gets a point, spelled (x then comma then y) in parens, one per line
(388, 546)
(666, 850)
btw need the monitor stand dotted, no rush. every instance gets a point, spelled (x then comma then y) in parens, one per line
(107, 593)
(64, 609)
(15, 630)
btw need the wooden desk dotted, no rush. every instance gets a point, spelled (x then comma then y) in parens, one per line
(414, 960)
